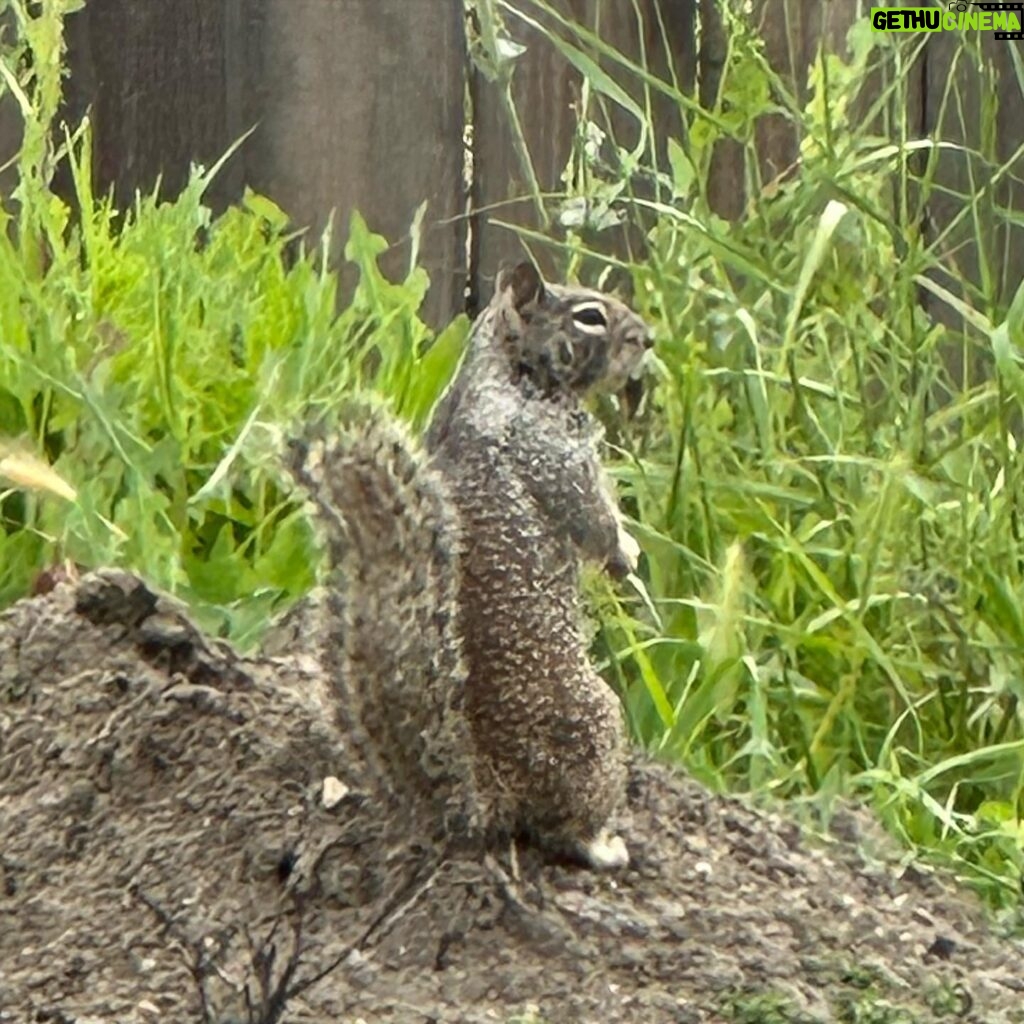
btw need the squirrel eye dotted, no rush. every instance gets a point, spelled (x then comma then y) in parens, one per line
(590, 315)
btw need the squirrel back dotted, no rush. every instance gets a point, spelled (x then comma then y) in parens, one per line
(519, 453)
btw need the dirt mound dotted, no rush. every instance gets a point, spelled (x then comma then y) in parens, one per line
(170, 851)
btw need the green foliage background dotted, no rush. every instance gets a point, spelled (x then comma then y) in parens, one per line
(831, 596)
(156, 357)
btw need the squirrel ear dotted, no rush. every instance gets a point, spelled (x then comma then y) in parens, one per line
(522, 286)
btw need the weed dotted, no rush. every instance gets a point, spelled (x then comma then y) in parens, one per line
(825, 482)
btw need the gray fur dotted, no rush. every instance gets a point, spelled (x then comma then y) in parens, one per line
(519, 454)
(457, 625)
(394, 652)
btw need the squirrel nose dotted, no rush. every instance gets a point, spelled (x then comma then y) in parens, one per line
(648, 340)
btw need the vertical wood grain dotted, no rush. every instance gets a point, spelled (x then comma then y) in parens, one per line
(357, 104)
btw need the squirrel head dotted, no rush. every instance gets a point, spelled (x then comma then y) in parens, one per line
(565, 339)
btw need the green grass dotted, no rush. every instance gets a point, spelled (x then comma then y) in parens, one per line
(833, 581)
(830, 513)
(156, 357)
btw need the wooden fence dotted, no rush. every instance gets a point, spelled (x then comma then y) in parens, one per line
(362, 104)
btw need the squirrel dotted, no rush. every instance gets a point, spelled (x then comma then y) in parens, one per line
(463, 660)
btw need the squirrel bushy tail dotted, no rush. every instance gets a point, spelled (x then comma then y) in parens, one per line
(394, 651)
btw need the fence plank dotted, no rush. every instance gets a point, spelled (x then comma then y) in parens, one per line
(544, 89)
(361, 105)
(970, 118)
(546, 93)
(792, 33)
(152, 77)
(357, 104)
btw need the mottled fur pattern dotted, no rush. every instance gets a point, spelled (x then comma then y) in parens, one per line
(395, 656)
(519, 455)
(459, 659)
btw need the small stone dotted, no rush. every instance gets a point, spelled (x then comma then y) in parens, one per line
(334, 791)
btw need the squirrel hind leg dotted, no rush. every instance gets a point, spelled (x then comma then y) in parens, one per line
(605, 852)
